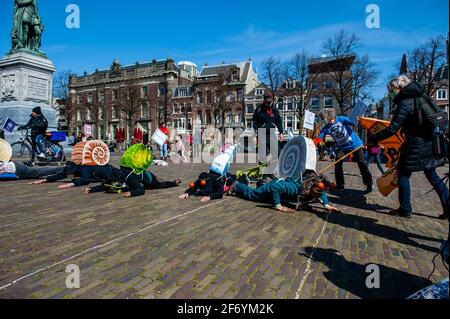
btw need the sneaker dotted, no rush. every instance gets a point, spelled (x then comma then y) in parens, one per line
(369, 188)
(41, 155)
(401, 213)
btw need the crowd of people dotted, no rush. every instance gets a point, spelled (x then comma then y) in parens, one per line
(417, 155)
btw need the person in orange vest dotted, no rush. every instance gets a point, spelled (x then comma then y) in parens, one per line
(164, 152)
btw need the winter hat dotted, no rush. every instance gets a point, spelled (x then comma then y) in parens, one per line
(5, 151)
(37, 110)
(91, 153)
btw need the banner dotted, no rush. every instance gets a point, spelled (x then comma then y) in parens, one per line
(391, 145)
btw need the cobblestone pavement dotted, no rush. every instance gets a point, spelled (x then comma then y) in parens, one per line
(156, 246)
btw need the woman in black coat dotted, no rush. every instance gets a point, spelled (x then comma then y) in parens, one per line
(416, 154)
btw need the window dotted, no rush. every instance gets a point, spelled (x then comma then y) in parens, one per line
(79, 116)
(144, 110)
(250, 109)
(88, 115)
(230, 97)
(315, 102)
(101, 97)
(114, 113)
(235, 76)
(289, 122)
(328, 84)
(240, 94)
(101, 132)
(259, 92)
(281, 104)
(208, 97)
(290, 105)
(78, 99)
(315, 85)
(90, 98)
(328, 101)
(115, 94)
(441, 95)
(189, 107)
(200, 97)
(176, 108)
(100, 113)
(161, 90)
(144, 91)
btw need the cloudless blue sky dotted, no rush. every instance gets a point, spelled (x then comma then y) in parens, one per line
(217, 30)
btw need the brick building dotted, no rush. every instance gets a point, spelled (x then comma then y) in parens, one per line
(138, 95)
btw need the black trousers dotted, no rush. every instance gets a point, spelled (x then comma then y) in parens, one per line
(358, 157)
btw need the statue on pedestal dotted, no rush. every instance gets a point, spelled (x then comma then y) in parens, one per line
(27, 26)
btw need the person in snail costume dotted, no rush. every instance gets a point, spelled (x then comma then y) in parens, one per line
(133, 178)
(277, 192)
(89, 165)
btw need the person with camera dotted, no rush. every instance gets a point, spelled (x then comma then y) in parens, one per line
(417, 154)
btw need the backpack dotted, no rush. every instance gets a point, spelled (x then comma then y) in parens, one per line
(429, 112)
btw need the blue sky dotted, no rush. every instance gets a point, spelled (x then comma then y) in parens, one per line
(216, 31)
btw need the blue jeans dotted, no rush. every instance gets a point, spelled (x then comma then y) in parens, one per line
(37, 145)
(164, 150)
(261, 194)
(377, 159)
(404, 189)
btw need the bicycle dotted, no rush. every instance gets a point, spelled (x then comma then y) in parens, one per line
(22, 150)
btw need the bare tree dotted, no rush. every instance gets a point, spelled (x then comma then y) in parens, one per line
(273, 73)
(354, 75)
(297, 73)
(61, 81)
(425, 60)
(128, 103)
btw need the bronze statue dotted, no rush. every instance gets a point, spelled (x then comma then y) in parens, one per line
(27, 26)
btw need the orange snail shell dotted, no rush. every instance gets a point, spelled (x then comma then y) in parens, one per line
(91, 153)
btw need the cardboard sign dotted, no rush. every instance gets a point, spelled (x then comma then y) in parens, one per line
(310, 119)
(159, 137)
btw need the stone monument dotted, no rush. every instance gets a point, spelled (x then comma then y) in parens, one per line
(26, 72)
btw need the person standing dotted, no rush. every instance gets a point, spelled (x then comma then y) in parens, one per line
(416, 153)
(374, 151)
(164, 147)
(38, 125)
(267, 117)
(340, 129)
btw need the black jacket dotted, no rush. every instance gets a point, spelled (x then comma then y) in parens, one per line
(38, 124)
(417, 152)
(134, 183)
(85, 174)
(261, 119)
(214, 187)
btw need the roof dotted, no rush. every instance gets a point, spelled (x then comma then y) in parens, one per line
(328, 59)
(244, 68)
(187, 63)
(441, 73)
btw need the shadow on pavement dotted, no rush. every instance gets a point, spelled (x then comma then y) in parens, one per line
(370, 226)
(350, 276)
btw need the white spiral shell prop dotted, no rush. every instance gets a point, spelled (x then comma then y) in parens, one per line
(91, 153)
(5, 151)
(298, 155)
